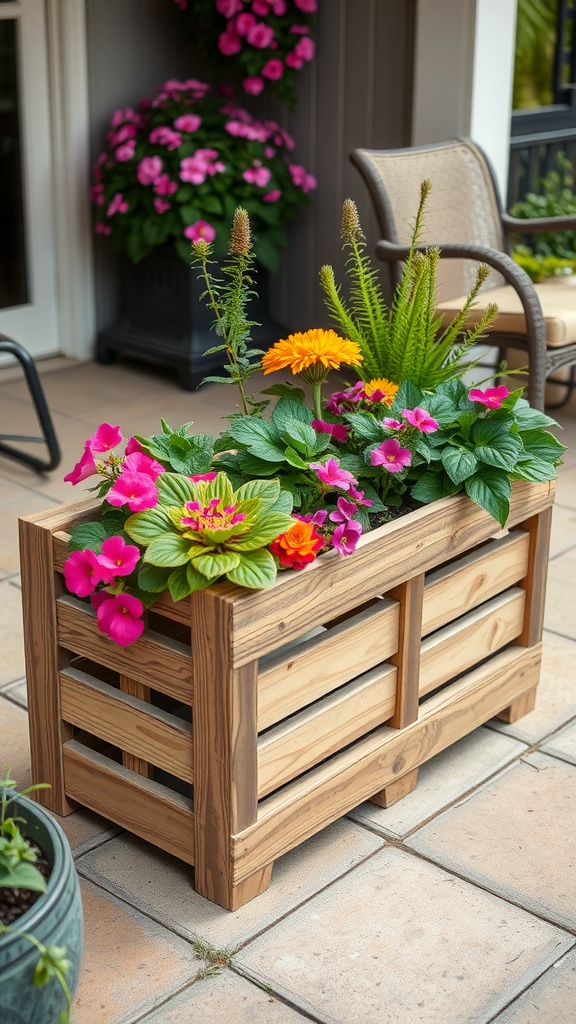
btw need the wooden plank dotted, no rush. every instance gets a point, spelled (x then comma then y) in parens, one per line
(407, 657)
(142, 806)
(225, 737)
(462, 585)
(384, 558)
(534, 583)
(43, 661)
(298, 743)
(473, 637)
(145, 732)
(308, 804)
(131, 761)
(157, 661)
(292, 679)
(396, 790)
(519, 707)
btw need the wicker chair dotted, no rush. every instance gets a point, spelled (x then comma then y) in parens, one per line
(36, 392)
(464, 218)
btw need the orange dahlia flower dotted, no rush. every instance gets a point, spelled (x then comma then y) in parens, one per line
(298, 546)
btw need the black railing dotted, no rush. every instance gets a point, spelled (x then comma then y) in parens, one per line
(533, 156)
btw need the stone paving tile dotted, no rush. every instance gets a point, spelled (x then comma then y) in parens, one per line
(556, 695)
(222, 999)
(550, 1000)
(130, 965)
(400, 940)
(25, 504)
(12, 660)
(513, 836)
(566, 482)
(86, 830)
(441, 781)
(16, 692)
(563, 744)
(14, 743)
(161, 886)
(563, 534)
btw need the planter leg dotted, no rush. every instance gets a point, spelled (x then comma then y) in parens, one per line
(396, 790)
(250, 887)
(519, 707)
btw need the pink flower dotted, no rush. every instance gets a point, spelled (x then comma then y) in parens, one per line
(201, 229)
(203, 476)
(125, 152)
(139, 462)
(393, 424)
(228, 8)
(301, 178)
(192, 169)
(420, 419)
(229, 43)
(161, 206)
(117, 205)
(345, 510)
(390, 455)
(120, 617)
(344, 401)
(149, 168)
(308, 6)
(244, 22)
(259, 176)
(97, 195)
(188, 122)
(273, 69)
(278, 7)
(331, 474)
(305, 48)
(105, 438)
(136, 490)
(492, 398)
(82, 572)
(132, 445)
(260, 7)
(164, 186)
(337, 430)
(117, 558)
(293, 60)
(253, 86)
(359, 497)
(165, 136)
(85, 467)
(260, 36)
(102, 229)
(273, 196)
(346, 537)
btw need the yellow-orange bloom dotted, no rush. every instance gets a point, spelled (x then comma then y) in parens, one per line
(314, 348)
(387, 388)
(298, 546)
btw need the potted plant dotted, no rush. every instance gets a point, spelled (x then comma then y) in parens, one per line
(173, 171)
(327, 585)
(41, 927)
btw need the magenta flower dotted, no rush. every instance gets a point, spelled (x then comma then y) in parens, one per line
(260, 36)
(126, 151)
(228, 8)
(132, 445)
(259, 176)
(149, 168)
(273, 196)
(164, 186)
(253, 86)
(317, 518)
(305, 48)
(136, 490)
(201, 229)
(345, 510)
(85, 467)
(344, 401)
(338, 431)
(294, 61)
(393, 424)
(301, 178)
(203, 476)
(105, 438)
(120, 617)
(390, 455)
(102, 229)
(188, 122)
(117, 558)
(273, 69)
(331, 474)
(492, 398)
(308, 6)
(229, 43)
(139, 462)
(420, 419)
(83, 572)
(244, 22)
(346, 537)
(359, 498)
(161, 206)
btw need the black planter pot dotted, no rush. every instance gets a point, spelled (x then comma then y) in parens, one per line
(164, 321)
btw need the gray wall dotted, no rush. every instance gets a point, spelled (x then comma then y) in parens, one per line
(357, 92)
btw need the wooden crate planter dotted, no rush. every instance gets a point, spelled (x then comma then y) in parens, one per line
(242, 722)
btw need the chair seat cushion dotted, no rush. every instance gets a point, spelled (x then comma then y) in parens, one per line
(558, 299)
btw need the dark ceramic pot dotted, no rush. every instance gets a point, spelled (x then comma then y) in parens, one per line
(55, 920)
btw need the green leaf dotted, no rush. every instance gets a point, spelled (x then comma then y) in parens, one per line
(265, 450)
(293, 459)
(431, 487)
(490, 488)
(459, 463)
(543, 445)
(266, 491)
(22, 876)
(266, 530)
(534, 469)
(178, 584)
(214, 564)
(300, 436)
(169, 549)
(143, 527)
(366, 425)
(257, 570)
(504, 453)
(87, 535)
(528, 418)
(152, 578)
(114, 520)
(289, 409)
(175, 489)
(248, 429)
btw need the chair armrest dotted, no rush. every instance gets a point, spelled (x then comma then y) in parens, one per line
(537, 225)
(500, 261)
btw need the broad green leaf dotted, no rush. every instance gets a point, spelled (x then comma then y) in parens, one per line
(284, 503)
(430, 487)
(250, 465)
(534, 469)
(152, 578)
(248, 429)
(257, 570)
(220, 487)
(441, 408)
(23, 876)
(143, 527)
(267, 451)
(289, 409)
(266, 491)
(459, 463)
(300, 436)
(169, 549)
(178, 584)
(543, 445)
(528, 418)
(490, 488)
(113, 520)
(286, 390)
(504, 453)
(366, 425)
(196, 580)
(87, 535)
(214, 564)
(266, 530)
(175, 489)
(295, 460)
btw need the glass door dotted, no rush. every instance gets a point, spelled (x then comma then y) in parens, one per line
(28, 302)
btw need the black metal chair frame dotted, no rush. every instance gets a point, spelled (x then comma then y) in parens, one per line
(44, 419)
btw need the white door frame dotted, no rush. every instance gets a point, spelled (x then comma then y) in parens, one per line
(68, 74)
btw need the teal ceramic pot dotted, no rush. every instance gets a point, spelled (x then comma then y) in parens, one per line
(55, 920)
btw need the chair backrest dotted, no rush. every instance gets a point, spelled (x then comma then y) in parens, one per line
(463, 205)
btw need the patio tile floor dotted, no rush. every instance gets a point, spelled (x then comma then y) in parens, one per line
(455, 906)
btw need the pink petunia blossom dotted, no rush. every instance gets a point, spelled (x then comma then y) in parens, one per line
(345, 510)
(308, 6)
(139, 462)
(346, 537)
(97, 194)
(318, 518)
(301, 178)
(344, 401)
(117, 205)
(83, 572)
(492, 398)
(149, 169)
(228, 8)
(393, 424)
(188, 122)
(420, 419)
(161, 206)
(125, 114)
(294, 61)
(244, 22)
(278, 7)
(260, 36)
(390, 455)
(132, 445)
(273, 196)
(305, 48)
(105, 438)
(338, 431)
(273, 69)
(164, 186)
(200, 230)
(229, 43)
(259, 176)
(136, 490)
(253, 86)
(85, 467)
(120, 617)
(330, 474)
(125, 152)
(117, 558)
(359, 498)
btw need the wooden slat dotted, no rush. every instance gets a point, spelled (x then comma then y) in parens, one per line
(407, 657)
(145, 732)
(305, 739)
(472, 638)
(292, 679)
(308, 804)
(457, 588)
(157, 661)
(384, 558)
(131, 761)
(538, 530)
(145, 808)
